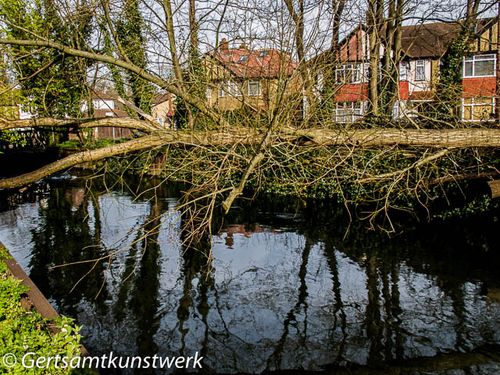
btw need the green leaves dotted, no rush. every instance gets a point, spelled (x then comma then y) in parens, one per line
(23, 331)
(51, 83)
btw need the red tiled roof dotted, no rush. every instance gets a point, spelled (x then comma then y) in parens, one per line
(264, 63)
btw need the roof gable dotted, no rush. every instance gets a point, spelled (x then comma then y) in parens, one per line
(261, 63)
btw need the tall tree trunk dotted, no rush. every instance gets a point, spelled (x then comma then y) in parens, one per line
(169, 22)
(498, 66)
(194, 59)
(298, 19)
(389, 85)
(331, 63)
(374, 18)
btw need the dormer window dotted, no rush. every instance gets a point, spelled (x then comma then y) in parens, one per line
(263, 53)
(243, 59)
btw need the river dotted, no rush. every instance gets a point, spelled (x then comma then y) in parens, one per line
(290, 285)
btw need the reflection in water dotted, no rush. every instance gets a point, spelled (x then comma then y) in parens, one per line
(283, 289)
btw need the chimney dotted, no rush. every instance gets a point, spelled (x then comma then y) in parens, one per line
(243, 46)
(224, 45)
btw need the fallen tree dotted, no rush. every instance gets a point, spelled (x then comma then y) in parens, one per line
(288, 142)
(301, 138)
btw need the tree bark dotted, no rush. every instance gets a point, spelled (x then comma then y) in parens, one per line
(143, 143)
(450, 138)
(498, 66)
(375, 16)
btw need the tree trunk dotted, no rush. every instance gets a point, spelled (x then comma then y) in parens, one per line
(498, 67)
(450, 138)
(374, 19)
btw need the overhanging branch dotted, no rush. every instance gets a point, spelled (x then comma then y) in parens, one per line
(143, 143)
(361, 138)
(128, 123)
(174, 89)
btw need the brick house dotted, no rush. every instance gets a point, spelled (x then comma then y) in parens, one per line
(423, 47)
(239, 77)
(106, 105)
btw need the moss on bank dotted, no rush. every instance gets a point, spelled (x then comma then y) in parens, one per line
(23, 331)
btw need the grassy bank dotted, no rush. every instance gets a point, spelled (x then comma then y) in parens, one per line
(25, 331)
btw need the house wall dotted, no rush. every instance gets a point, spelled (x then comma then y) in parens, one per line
(352, 93)
(219, 77)
(416, 85)
(163, 111)
(483, 89)
(487, 41)
(477, 90)
(356, 49)
(479, 87)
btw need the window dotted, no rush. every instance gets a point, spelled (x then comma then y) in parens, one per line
(209, 93)
(243, 59)
(229, 88)
(478, 109)
(349, 73)
(263, 53)
(234, 89)
(160, 120)
(403, 71)
(479, 66)
(103, 104)
(420, 70)
(346, 112)
(253, 88)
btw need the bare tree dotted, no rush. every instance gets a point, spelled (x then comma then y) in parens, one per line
(223, 151)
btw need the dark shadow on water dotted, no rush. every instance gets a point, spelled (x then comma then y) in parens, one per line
(287, 285)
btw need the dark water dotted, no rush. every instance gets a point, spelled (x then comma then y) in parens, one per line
(289, 285)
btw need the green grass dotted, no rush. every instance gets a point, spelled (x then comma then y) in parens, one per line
(23, 331)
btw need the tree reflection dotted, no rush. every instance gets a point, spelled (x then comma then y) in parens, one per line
(144, 295)
(65, 240)
(338, 314)
(275, 360)
(390, 311)
(197, 265)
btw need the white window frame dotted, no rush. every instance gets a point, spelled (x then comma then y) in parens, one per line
(351, 73)
(403, 71)
(229, 88)
(472, 105)
(420, 75)
(349, 112)
(475, 58)
(258, 88)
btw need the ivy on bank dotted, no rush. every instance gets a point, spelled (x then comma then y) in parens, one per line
(23, 331)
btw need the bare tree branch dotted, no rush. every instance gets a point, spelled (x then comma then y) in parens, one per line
(174, 89)
(143, 143)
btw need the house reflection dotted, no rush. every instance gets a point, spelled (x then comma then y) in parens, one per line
(244, 230)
